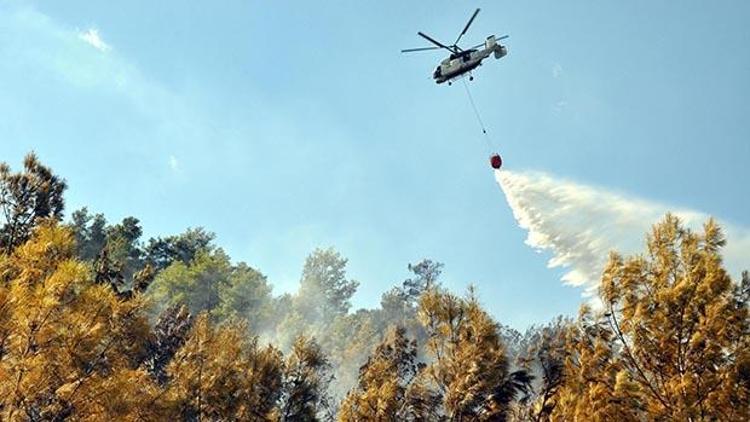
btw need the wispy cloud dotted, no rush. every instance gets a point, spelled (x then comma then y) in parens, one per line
(174, 165)
(35, 42)
(557, 70)
(579, 225)
(91, 36)
(560, 106)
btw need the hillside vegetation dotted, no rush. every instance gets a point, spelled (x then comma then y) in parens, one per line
(97, 323)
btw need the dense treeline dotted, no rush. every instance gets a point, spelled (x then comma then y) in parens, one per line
(97, 323)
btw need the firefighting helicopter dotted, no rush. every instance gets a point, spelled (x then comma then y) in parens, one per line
(462, 61)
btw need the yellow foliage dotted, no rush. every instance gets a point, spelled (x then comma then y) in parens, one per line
(221, 374)
(671, 343)
(67, 344)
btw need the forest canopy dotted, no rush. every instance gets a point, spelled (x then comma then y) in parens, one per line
(98, 323)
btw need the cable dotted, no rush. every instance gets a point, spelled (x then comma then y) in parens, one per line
(479, 118)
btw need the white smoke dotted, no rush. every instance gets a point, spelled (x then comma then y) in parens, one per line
(581, 224)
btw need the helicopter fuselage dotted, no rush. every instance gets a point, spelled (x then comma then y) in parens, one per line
(462, 62)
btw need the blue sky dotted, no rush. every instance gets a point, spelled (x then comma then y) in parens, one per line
(285, 126)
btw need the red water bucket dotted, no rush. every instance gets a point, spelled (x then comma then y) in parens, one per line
(495, 161)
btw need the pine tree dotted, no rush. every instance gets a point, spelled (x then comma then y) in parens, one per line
(671, 343)
(221, 373)
(69, 346)
(324, 289)
(25, 198)
(470, 366)
(307, 375)
(169, 334)
(383, 391)
(543, 354)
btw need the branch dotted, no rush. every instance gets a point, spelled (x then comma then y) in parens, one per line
(613, 322)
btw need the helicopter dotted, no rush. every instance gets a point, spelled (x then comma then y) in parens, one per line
(462, 61)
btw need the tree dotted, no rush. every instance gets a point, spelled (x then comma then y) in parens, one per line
(115, 251)
(324, 289)
(195, 285)
(399, 304)
(595, 385)
(543, 353)
(388, 388)
(672, 341)
(184, 247)
(69, 348)
(469, 366)
(123, 246)
(108, 271)
(25, 198)
(90, 233)
(246, 295)
(349, 340)
(169, 334)
(211, 283)
(426, 277)
(221, 373)
(307, 374)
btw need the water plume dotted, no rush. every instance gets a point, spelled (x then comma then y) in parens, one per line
(579, 224)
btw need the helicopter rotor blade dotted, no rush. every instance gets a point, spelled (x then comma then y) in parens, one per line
(466, 28)
(427, 37)
(410, 50)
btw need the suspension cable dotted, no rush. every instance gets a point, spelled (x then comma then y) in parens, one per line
(479, 117)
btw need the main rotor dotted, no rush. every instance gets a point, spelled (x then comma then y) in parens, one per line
(453, 48)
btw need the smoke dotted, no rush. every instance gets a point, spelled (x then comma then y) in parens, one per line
(581, 224)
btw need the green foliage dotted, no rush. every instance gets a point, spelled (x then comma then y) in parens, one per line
(399, 304)
(324, 289)
(184, 247)
(671, 342)
(26, 198)
(246, 295)
(90, 233)
(119, 256)
(114, 250)
(123, 246)
(195, 285)
(212, 284)
(426, 274)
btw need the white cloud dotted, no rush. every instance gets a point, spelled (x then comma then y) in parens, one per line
(91, 37)
(35, 46)
(557, 70)
(174, 165)
(581, 224)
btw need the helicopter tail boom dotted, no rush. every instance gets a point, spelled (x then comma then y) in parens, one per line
(491, 45)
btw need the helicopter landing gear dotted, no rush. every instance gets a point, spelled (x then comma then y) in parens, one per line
(450, 83)
(471, 78)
